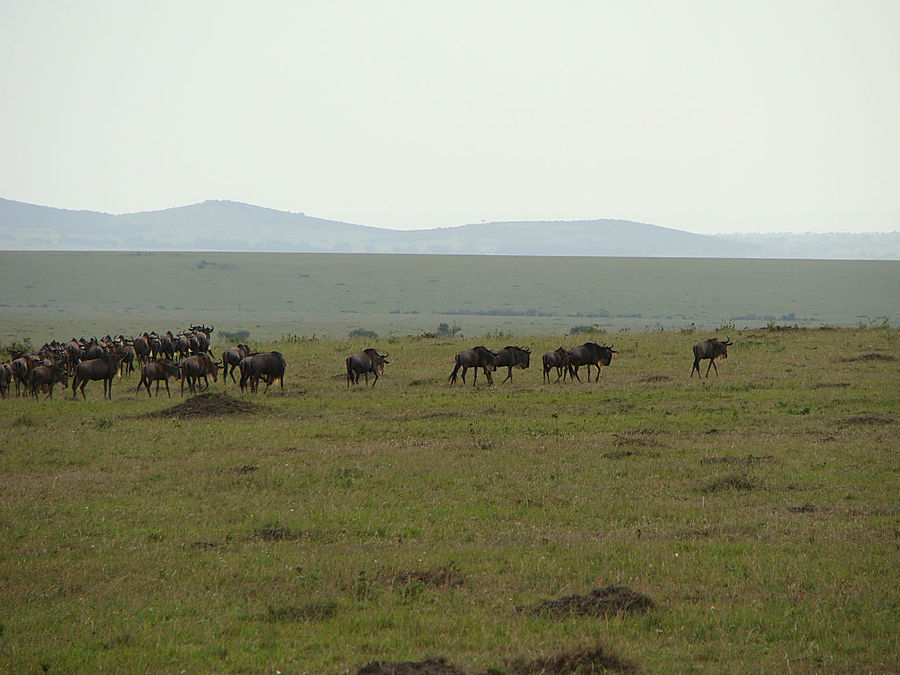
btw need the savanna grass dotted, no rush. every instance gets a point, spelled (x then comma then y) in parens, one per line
(333, 527)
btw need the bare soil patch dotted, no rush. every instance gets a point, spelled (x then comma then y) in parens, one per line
(446, 576)
(206, 405)
(592, 661)
(274, 533)
(730, 482)
(749, 459)
(599, 602)
(873, 356)
(831, 385)
(428, 667)
(655, 378)
(868, 419)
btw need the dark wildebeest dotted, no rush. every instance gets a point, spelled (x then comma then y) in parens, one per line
(104, 368)
(141, 345)
(367, 361)
(269, 366)
(22, 365)
(477, 357)
(182, 345)
(589, 354)
(166, 346)
(156, 372)
(47, 376)
(559, 360)
(93, 350)
(5, 379)
(202, 334)
(231, 357)
(512, 357)
(711, 349)
(197, 366)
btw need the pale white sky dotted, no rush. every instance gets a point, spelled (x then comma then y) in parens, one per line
(707, 116)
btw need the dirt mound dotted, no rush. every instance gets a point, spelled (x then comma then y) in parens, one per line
(655, 378)
(275, 533)
(207, 405)
(429, 667)
(599, 602)
(732, 481)
(868, 419)
(749, 459)
(441, 577)
(874, 356)
(593, 661)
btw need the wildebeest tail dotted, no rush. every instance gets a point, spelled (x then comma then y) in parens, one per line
(455, 370)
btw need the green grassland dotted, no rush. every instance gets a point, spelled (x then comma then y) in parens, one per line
(759, 511)
(61, 295)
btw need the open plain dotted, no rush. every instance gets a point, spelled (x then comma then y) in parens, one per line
(751, 520)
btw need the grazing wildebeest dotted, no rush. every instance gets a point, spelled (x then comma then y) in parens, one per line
(269, 366)
(558, 359)
(104, 368)
(47, 376)
(711, 349)
(197, 366)
(231, 357)
(477, 357)
(5, 379)
(156, 372)
(367, 361)
(512, 357)
(589, 354)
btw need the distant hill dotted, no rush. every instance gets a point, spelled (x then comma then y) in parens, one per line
(233, 226)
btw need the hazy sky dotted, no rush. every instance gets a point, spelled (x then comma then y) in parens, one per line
(705, 116)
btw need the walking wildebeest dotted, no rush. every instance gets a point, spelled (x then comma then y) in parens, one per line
(269, 366)
(367, 361)
(477, 357)
(231, 357)
(47, 376)
(156, 371)
(711, 349)
(558, 359)
(589, 354)
(104, 368)
(512, 357)
(197, 366)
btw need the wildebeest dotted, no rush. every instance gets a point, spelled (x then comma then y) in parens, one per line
(22, 364)
(197, 366)
(141, 345)
(202, 334)
(104, 368)
(367, 361)
(269, 366)
(512, 357)
(477, 357)
(47, 376)
(589, 354)
(231, 357)
(156, 372)
(558, 359)
(711, 349)
(5, 379)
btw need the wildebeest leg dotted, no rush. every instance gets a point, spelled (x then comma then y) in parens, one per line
(489, 377)
(573, 372)
(463, 373)
(597, 379)
(696, 367)
(167, 388)
(474, 377)
(83, 385)
(508, 374)
(366, 373)
(374, 372)
(712, 362)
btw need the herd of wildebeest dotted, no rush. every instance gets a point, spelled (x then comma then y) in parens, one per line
(187, 356)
